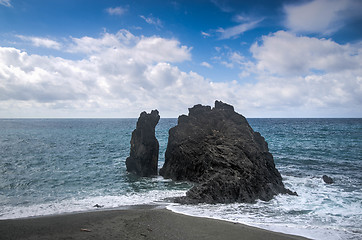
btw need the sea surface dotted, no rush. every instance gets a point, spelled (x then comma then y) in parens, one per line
(55, 166)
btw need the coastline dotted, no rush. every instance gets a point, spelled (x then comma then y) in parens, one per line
(137, 222)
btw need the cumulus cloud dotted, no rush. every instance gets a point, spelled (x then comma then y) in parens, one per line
(90, 45)
(6, 3)
(285, 53)
(41, 42)
(122, 74)
(230, 58)
(160, 49)
(206, 64)
(295, 76)
(307, 73)
(312, 95)
(321, 16)
(119, 71)
(116, 11)
(43, 79)
(140, 49)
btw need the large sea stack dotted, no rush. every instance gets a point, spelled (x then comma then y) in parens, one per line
(219, 151)
(143, 159)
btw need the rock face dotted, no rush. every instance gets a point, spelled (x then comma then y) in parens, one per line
(143, 159)
(219, 151)
(327, 179)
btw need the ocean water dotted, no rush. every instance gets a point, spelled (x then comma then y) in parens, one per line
(54, 166)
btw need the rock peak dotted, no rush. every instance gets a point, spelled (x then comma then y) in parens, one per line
(219, 151)
(148, 119)
(143, 159)
(223, 106)
(198, 109)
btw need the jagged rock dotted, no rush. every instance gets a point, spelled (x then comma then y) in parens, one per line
(143, 159)
(327, 179)
(219, 151)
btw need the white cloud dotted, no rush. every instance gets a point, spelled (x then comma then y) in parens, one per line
(140, 49)
(285, 53)
(229, 58)
(205, 34)
(90, 45)
(227, 64)
(236, 57)
(306, 76)
(41, 42)
(295, 76)
(237, 30)
(122, 74)
(321, 16)
(6, 3)
(160, 49)
(43, 79)
(116, 11)
(328, 95)
(206, 64)
(153, 21)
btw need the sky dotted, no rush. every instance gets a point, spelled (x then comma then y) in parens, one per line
(115, 59)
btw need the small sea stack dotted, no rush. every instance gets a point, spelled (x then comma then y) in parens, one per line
(218, 150)
(327, 179)
(143, 159)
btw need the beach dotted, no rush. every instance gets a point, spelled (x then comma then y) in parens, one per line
(138, 222)
(55, 167)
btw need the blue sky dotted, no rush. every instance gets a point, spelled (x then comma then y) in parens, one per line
(79, 58)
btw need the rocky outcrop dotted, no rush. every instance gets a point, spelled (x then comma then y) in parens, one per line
(327, 179)
(219, 151)
(143, 159)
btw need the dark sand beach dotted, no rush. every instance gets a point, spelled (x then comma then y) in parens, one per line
(139, 222)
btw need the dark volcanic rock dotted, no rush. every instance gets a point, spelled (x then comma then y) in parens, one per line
(143, 159)
(327, 179)
(219, 151)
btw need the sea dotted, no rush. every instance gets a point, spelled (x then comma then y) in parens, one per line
(57, 166)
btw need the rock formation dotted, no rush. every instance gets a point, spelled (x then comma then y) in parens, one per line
(327, 179)
(219, 151)
(143, 159)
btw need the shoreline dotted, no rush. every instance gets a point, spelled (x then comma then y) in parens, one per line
(135, 222)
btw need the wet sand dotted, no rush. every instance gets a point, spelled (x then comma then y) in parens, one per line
(138, 222)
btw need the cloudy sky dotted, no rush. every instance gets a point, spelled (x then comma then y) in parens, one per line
(80, 58)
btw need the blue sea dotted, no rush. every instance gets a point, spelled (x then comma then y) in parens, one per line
(55, 166)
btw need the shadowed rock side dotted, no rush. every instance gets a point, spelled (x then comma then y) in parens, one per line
(219, 151)
(143, 159)
(327, 179)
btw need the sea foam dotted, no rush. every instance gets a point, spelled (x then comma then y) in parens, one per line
(73, 205)
(56, 166)
(319, 212)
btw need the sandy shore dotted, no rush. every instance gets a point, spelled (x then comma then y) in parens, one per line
(142, 222)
